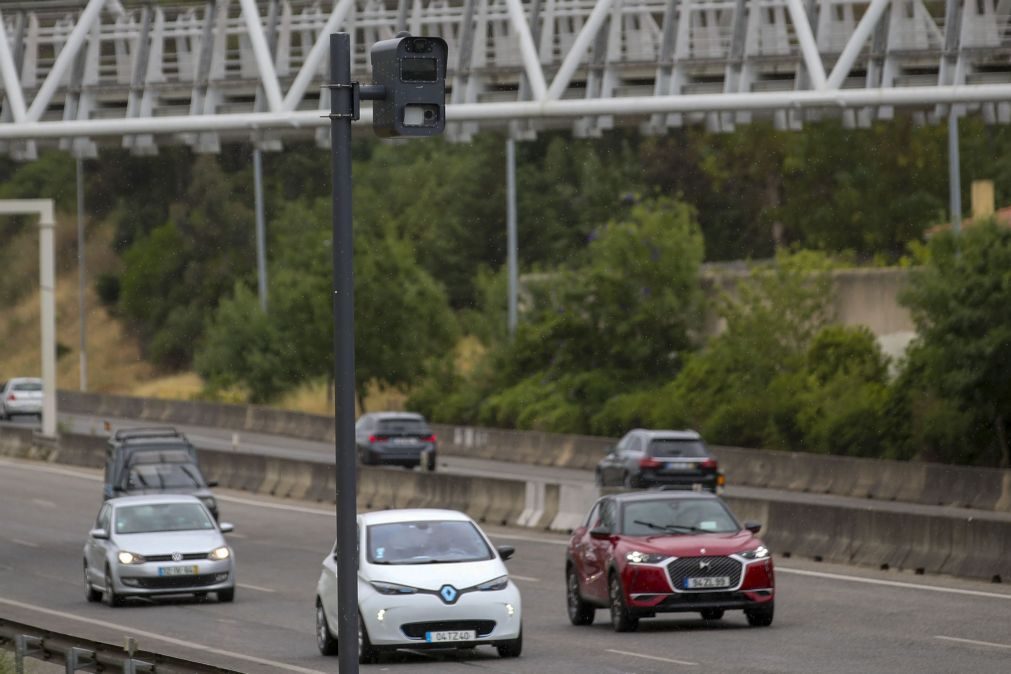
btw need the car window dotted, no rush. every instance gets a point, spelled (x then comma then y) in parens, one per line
(427, 542)
(165, 476)
(674, 447)
(28, 386)
(151, 518)
(402, 425)
(103, 519)
(623, 443)
(635, 444)
(593, 519)
(607, 515)
(677, 516)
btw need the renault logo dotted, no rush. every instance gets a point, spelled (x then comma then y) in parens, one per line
(177, 556)
(448, 594)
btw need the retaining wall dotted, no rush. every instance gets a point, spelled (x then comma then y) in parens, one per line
(912, 482)
(940, 543)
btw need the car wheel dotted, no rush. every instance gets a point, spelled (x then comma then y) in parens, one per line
(430, 463)
(112, 598)
(226, 596)
(629, 482)
(760, 617)
(712, 613)
(90, 592)
(622, 619)
(512, 648)
(580, 613)
(366, 652)
(367, 458)
(325, 641)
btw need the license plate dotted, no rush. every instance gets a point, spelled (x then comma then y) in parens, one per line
(679, 465)
(177, 570)
(403, 441)
(706, 583)
(448, 636)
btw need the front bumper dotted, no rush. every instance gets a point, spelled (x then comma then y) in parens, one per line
(649, 590)
(405, 619)
(147, 579)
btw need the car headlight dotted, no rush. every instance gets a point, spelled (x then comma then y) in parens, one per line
(219, 554)
(391, 588)
(639, 557)
(499, 583)
(761, 552)
(125, 557)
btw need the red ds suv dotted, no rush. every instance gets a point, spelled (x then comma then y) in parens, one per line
(643, 553)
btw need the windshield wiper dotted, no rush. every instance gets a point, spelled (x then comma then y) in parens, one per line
(667, 527)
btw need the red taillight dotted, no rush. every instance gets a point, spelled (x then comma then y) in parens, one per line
(709, 464)
(377, 438)
(649, 462)
(430, 438)
(11, 397)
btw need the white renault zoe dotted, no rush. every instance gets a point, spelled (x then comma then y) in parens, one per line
(426, 579)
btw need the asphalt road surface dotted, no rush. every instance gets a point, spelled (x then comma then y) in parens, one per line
(829, 618)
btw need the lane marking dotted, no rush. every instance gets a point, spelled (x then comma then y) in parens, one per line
(277, 506)
(232, 534)
(27, 544)
(893, 583)
(43, 502)
(974, 642)
(256, 587)
(50, 469)
(653, 657)
(527, 579)
(124, 629)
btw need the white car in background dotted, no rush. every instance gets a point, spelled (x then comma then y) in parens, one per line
(22, 395)
(426, 579)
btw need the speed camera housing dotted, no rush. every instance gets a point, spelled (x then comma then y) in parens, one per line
(413, 72)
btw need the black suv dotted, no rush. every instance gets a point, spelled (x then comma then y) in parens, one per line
(395, 439)
(156, 460)
(675, 459)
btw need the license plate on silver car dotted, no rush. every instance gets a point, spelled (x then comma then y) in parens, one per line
(448, 636)
(177, 570)
(679, 465)
(706, 583)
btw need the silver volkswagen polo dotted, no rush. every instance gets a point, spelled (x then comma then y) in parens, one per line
(157, 545)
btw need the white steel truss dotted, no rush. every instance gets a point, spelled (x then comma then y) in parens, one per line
(144, 73)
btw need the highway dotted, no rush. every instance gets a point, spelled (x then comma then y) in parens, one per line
(829, 618)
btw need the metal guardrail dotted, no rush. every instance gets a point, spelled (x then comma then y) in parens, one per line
(78, 654)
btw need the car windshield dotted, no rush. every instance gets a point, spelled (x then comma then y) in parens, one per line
(426, 543)
(144, 519)
(165, 476)
(28, 386)
(673, 447)
(402, 425)
(676, 516)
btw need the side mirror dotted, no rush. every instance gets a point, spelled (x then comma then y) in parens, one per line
(753, 527)
(226, 527)
(506, 551)
(99, 534)
(211, 484)
(600, 533)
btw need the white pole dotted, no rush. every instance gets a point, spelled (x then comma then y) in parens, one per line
(575, 55)
(47, 283)
(531, 62)
(12, 84)
(268, 76)
(261, 229)
(856, 42)
(511, 237)
(315, 58)
(82, 277)
(812, 59)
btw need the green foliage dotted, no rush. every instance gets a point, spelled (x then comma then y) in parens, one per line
(960, 302)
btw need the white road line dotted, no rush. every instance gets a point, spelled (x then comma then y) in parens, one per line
(43, 502)
(50, 469)
(974, 642)
(653, 657)
(256, 587)
(27, 544)
(125, 629)
(527, 579)
(894, 583)
(278, 506)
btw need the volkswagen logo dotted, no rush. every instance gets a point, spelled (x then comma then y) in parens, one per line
(448, 593)
(177, 556)
(703, 565)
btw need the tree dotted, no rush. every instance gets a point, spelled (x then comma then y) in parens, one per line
(960, 302)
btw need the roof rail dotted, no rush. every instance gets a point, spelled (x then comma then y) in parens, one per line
(147, 432)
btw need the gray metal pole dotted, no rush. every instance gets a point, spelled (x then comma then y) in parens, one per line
(511, 231)
(341, 109)
(261, 228)
(82, 277)
(954, 173)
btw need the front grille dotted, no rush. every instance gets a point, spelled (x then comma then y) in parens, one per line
(168, 558)
(417, 630)
(175, 582)
(703, 567)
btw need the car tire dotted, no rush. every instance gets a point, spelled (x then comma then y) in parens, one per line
(712, 613)
(325, 641)
(580, 613)
(112, 598)
(512, 648)
(90, 592)
(226, 596)
(622, 619)
(367, 654)
(431, 463)
(629, 482)
(760, 617)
